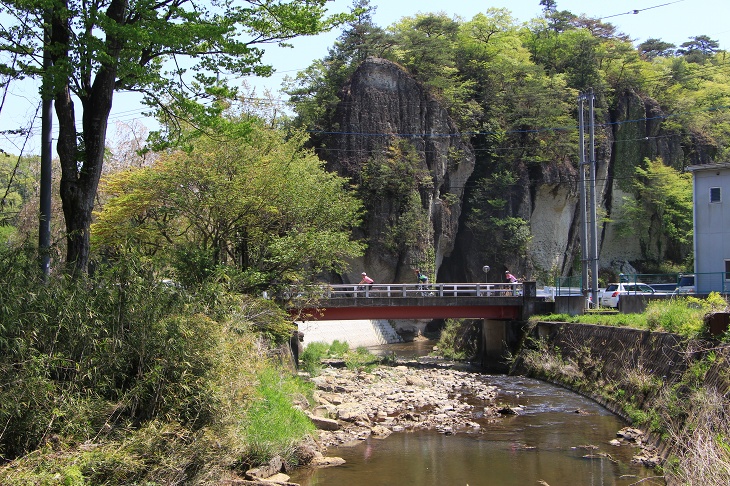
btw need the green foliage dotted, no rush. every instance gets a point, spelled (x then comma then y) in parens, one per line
(103, 358)
(313, 354)
(679, 315)
(660, 211)
(458, 340)
(95, 51)
(682, 316)
(313, 92)
(311, 357)
(392, 185)
(360, 358)
(258, 203)
(17, 181)
(490, 219)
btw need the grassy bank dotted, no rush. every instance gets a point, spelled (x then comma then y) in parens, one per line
(120, 378)
(681, 315)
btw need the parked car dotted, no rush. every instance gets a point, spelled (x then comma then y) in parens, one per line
(610, 296)
(686, 284)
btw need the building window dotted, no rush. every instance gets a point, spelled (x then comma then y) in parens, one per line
(715, 195)
(727, 270)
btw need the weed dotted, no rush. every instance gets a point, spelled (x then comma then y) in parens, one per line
(361, 358)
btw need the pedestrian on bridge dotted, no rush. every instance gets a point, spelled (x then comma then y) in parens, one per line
(366, 280)
(422, 281)
(513, 280)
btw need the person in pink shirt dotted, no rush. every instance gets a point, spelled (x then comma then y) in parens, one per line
(366, 280)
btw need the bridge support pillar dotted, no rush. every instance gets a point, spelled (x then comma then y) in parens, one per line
(495, 339)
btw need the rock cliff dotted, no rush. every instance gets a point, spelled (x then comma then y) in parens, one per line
(383, 109)
(384, 113)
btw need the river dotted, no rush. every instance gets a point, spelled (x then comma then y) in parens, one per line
(559, 438)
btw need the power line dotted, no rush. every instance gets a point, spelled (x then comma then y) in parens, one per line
(636, 11)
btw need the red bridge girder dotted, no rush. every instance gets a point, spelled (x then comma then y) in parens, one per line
(510, 312)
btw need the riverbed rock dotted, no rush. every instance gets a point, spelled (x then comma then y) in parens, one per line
(630, 434)
(323, 423)
(254, 482)
(407, 396)
(327, 462)
(274, 466)
(279, 478)
(380, 432)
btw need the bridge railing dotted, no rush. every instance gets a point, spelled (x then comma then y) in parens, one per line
(348, 291)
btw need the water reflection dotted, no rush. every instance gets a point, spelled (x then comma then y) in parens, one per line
(560, 439)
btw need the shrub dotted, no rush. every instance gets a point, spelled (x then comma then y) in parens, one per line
(311, 357)
(457, 340)
(361, 358)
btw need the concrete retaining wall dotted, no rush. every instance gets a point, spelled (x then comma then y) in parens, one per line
(618, 349)
(356, 333)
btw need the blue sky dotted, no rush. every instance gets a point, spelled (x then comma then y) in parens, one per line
(673, 21)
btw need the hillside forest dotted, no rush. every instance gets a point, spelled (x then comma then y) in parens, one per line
(509, 91)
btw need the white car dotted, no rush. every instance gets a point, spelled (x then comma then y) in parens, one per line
(610, 296)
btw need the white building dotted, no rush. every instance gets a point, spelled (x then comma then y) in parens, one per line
(711, 201)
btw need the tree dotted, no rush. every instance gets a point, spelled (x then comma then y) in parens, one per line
(659, 213)
(652, 48)
(313, 92)
(698, 49)
(256, 201)
(102, 46)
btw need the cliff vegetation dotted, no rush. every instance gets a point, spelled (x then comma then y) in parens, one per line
(488, 107)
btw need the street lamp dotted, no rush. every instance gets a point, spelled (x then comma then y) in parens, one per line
(485, 269)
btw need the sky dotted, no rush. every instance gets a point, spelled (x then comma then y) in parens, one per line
(672, 21)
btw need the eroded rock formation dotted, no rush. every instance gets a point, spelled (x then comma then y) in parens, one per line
(381, 108)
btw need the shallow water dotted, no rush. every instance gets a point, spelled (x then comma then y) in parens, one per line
(549, 441)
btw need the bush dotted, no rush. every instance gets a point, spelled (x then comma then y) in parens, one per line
(458, 340)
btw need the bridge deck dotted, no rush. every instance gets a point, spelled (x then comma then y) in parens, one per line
(407, 301)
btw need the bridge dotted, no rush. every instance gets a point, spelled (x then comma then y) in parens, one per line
(501, 301)
(502, 307)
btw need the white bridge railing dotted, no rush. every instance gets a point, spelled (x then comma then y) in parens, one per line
(348, 291)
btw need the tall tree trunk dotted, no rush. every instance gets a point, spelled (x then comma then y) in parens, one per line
(82, 158)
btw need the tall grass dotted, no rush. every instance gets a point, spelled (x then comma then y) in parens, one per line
(703, 442)
(315, 352)
(273, 426)
(119, 379)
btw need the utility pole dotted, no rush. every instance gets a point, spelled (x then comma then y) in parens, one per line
(44, 228)
(583, 206)
(593, 216)
(589, 221)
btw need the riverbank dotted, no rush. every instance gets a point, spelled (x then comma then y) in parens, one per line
(424, 394)
(672, 387)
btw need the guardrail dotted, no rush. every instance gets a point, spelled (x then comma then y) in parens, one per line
(395, 291)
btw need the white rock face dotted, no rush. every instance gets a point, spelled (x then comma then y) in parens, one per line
(550, 224)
